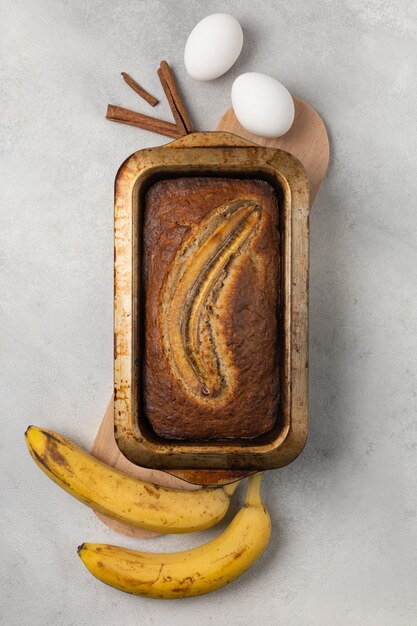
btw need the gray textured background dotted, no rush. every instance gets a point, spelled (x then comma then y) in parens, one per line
(344, 547)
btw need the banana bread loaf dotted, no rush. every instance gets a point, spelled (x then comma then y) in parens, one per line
(210, 282)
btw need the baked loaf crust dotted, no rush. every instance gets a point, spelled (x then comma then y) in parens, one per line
(211, 287)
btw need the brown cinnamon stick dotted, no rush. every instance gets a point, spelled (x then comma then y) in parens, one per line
(177, 117)
(155, 125)
(172, 86)
(145, 95)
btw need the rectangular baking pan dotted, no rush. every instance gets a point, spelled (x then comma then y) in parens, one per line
(211, 154)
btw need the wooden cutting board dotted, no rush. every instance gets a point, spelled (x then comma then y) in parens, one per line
(308, 141)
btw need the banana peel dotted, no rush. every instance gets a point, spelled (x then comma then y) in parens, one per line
(121, 497)
(193, 572)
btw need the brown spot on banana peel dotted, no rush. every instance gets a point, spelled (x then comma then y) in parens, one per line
(185, 323)
(51, 450)
(49, 435)
(238, 554)
(39, 460)
(152, 491)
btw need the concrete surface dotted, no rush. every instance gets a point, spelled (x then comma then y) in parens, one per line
(344, 545)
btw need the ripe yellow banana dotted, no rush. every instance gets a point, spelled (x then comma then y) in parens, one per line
(120, 496)
(191, 573)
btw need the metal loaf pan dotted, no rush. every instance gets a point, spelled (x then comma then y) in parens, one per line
(211, 154)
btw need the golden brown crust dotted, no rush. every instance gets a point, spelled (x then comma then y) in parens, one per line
(210, 282)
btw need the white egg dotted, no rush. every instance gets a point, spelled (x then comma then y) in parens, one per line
(213, 46)
(262, 104)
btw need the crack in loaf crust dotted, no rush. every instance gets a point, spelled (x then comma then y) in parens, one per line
(210, 283)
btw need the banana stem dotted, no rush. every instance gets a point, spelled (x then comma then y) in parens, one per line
(231, 487)
(253, 496)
